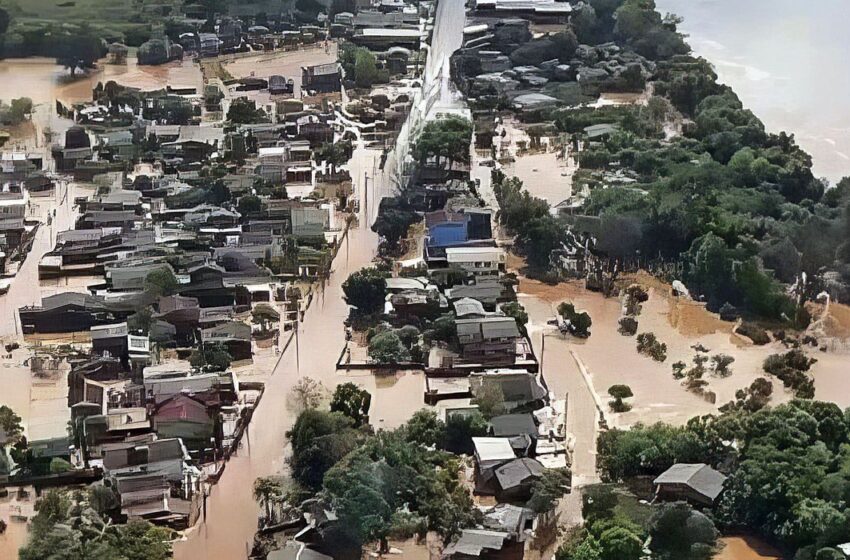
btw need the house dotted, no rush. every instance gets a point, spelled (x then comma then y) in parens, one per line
(379, 38)
(111, 339)
(695, 482)
(67, 312)
(599, 131)
(210, 44)
(119, 145)
(309, 222)
(195, 143)
(515, 478)
(487, 290)
(478, 261)
(446, 229)
(143, 495)
(280, 85)
(510, 425)
(162, 384)
(542, 11)
(483, 544)
(186, 417)
(13, 207)
(321, 78)
(234, 335)
(518, 387)
(166, 457)
(489, 340)
(490, 453)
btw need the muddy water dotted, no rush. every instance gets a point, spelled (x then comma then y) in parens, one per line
(231, 521)
(45, 82)
(287, 64)
(746, 548)
(612, 358)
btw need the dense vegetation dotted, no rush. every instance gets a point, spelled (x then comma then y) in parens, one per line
(401, 482)
(705, 183)
(77, 526)
(790, 468)
(617, 525)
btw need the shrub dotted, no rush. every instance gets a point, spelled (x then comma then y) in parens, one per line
(649, 345)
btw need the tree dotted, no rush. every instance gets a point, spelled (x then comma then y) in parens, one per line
(319, 440)
(461, 428)
(517, 311)
(426, 429)
(211, 357)
(387, 348)
(249, 204)
(264, 314)
(266, 491)
(365, 68)
(68, 527)
(446, 139)
(679, 532)
(393, 223)
(245, 111)
(378, 486)
(17, 112)
(552, 485)
(619, 543)
(620, 392)
(161, 282)
(366, 290)
(80, 50)
(10, 423)
(307, 393)
(4, 21)
(141, 320)
(720, 363)
(489, 399)
(336, 154)
(353, 402)
(648, 344)
(104, 500)
(578, 323)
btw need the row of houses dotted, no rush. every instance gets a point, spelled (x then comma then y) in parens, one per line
(196, 248)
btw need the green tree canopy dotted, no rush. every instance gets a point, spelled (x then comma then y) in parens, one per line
(352, 401)
(366, 290)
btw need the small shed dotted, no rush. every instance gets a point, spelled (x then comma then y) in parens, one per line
(696, 483)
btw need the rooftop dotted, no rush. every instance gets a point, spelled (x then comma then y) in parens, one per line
(698, 476)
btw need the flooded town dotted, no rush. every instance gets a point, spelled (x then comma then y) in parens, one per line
(431, 279)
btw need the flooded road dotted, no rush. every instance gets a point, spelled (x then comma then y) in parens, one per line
(227, 532)
(231, 520)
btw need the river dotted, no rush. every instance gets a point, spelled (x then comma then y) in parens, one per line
(787, 60)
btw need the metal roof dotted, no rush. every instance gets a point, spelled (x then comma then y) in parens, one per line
(698, 476)
(516, 472)
(493, 449)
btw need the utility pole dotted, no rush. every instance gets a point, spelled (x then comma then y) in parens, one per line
(366, 196)
(297, 349)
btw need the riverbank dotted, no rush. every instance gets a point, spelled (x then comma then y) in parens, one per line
(783, 69)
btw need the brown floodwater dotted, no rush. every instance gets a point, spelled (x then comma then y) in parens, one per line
(227, 532)
(746, 548)
(45, 82)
